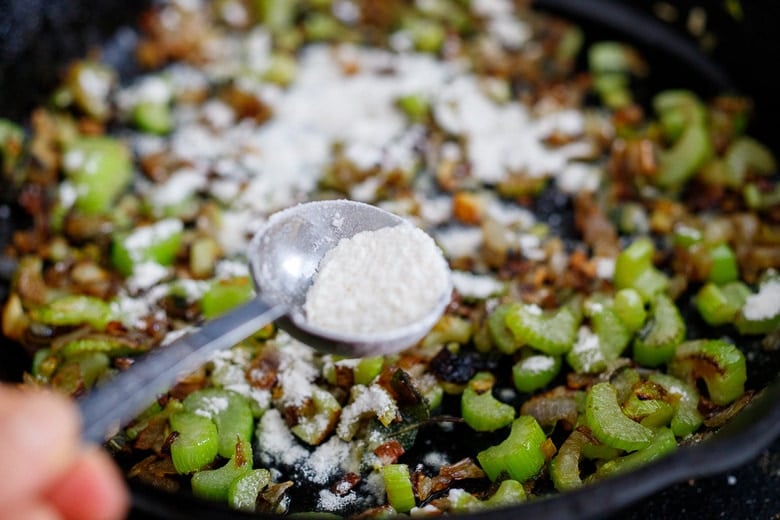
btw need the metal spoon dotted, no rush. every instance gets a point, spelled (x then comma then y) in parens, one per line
(283, 258)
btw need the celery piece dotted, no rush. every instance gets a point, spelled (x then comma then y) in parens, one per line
(367, 369)
(158, 243)
(230, 412)
(609, 424)
(509, 492)
(746, 155)
(321, 27)
(520, 455)
(501, 335)
(74, 309)
(153, 117)
(314, 428)
(92, 366)
(724, 264)
(481, 411)
(654, 344)
(719, 305)
(676, 109)
(648, 412)
(204, 253)
(686, 236)
(449, 329)
(630, 308)
(689, 153)
(551, 332)
(663, 442)
(634, 269)
(565, 466)
(112, 346)
(214, 484)
(278, 16)
(535, 372)
(414, 106)
(100, 169)
(720, 364)
(398, 484)
(614, 336)
(196, 444)
(245, 489)
(609, 56)
(687, 418)
(586, 356)
(44, 363)
(225, 295)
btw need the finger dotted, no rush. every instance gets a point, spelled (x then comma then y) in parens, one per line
(30, 511)
(38, 440)
(91, 489)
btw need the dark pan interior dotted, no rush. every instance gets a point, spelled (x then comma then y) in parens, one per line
(38, 36)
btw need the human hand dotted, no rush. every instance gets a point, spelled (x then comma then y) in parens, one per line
(46, 473)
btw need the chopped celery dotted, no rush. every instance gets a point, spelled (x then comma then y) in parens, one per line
(551, 332)
(225, 295)
(535, 372)
(720, 364)
(367, 369)
(724, 264)
(481, 411)
(398, 484)
(630, 308)
(648, 406)
(499, 332)
(663, 442)
(609, 424)
(654, 344)
(230, 412)
(244, 490)
(746, 155)
(100, 170)
(74, 309)
(196, 444)
(520, 455)
(719, 305)
(110, 345)
(509, 492)
(687, 418)
(612, 332)
(158, 243)
(215, 484)
(634, 269)
(565, 466)
(153, 117)
(313, 428)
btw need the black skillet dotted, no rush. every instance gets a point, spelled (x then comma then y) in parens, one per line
(38, 36)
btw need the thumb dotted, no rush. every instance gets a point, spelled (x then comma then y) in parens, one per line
(39, 439)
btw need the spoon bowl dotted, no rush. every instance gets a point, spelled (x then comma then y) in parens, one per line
(283, 259)
(284, 256)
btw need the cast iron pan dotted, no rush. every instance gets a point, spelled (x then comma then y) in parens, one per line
(38, 36)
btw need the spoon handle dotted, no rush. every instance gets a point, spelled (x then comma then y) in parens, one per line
(124, 397)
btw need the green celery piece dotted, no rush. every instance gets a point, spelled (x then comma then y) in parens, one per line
(158, 242)
(724, 264)
(609, 56)
(720, 364)
(398, 484)
(551, 332)
(687, 418)
(609, 424)
(719, 305)
(565, 466)
(414, 106)
(509, 492)
(499, 332)
(153, 117)
(624, 380)
(449, 329)
(630, 308)
(686, 156)
(746, 155)
(481, 411)
(676, 109)
(367, 369)
(655, 343)
(215, 484)
(230, 412)
(663, 442)
(649, 412)
(520, 455)
(74, 309)
(586, 356)
(112, 346)
(278, 15)
(613, 334)
(92, 365)
(225, 295)
(634, 269)
(535, 372)
(313, 429)
(244, 490)
(100, 169)
(197, 443)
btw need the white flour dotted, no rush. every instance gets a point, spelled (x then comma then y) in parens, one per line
(377, 281)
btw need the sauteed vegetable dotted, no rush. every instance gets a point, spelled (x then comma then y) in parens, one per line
(614, 250)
